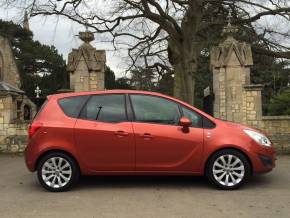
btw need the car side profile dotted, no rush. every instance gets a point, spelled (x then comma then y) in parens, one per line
(125, 132)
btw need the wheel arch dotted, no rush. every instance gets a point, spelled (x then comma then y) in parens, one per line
(56, 151)
(225, 148)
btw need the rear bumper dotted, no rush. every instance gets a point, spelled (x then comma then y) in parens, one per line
(30, 157)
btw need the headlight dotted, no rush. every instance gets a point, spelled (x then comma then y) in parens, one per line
(258, 137)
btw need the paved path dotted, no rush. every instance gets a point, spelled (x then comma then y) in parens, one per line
(265, 196)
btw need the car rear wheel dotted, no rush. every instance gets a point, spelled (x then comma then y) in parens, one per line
(57, 172)
(228, 169)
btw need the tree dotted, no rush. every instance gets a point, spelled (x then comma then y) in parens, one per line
(171, 34)
(110, 82)
(165, 84)
(280, 105)
(123, 83)
(38, 64)
(143, 79)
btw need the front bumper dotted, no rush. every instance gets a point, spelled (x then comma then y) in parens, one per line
(267, 161)
(263, 159)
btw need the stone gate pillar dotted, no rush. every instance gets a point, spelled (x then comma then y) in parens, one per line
(86, 66)
(230, 63)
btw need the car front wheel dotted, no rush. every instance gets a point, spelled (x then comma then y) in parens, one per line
(57, 172)
(228, 169)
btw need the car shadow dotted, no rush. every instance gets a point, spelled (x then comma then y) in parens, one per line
(159, 182)
(91, 182)
(261, 180)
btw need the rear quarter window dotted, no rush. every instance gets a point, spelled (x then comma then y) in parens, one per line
(72, 106)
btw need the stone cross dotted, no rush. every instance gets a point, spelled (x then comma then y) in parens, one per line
(37, 91)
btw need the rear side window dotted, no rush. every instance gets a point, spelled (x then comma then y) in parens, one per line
(105, 108)
(72, 106)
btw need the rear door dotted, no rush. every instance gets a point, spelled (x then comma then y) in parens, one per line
(104, 136)
(161, 144)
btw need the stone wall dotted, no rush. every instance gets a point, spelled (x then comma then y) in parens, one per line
(236, 99)
(16, 109)
(278, 129)
(13, 137)
(7, 64)
(13, 131)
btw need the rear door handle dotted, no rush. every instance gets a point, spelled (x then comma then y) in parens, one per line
(121, 133)
(146, 136)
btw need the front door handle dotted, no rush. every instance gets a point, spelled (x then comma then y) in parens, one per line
(146, 136)
(121, 133)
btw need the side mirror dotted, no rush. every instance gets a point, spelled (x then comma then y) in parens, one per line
(185, 122)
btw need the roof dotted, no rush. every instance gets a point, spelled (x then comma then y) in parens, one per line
(8, 88)
(113, 91)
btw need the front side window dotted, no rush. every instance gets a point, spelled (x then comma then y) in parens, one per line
(150, 109)
(195, 118)
(105, 108)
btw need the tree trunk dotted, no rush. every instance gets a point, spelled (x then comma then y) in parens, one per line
(183, 54)
(184, 82)
(183, 57)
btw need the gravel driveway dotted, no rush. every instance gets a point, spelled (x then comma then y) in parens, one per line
(264, 196)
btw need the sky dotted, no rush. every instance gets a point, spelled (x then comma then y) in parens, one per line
(62, 33)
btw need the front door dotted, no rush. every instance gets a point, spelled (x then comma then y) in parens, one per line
(104, 137)
(161, 144)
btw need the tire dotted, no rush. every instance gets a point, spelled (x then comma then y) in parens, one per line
(228, 169)
(57, 172)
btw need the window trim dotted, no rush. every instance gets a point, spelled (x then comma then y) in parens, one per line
(129, 108)
(94, 120)
(133, 112)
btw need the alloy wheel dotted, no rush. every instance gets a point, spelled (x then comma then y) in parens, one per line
(228, 170)
(56, 172)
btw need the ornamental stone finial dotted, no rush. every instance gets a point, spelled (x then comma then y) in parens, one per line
(86, 36)
(229, 18)
(229, 29)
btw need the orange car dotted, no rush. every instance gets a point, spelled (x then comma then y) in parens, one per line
(122, 132)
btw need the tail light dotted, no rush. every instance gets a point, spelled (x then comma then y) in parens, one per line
(33, 128)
